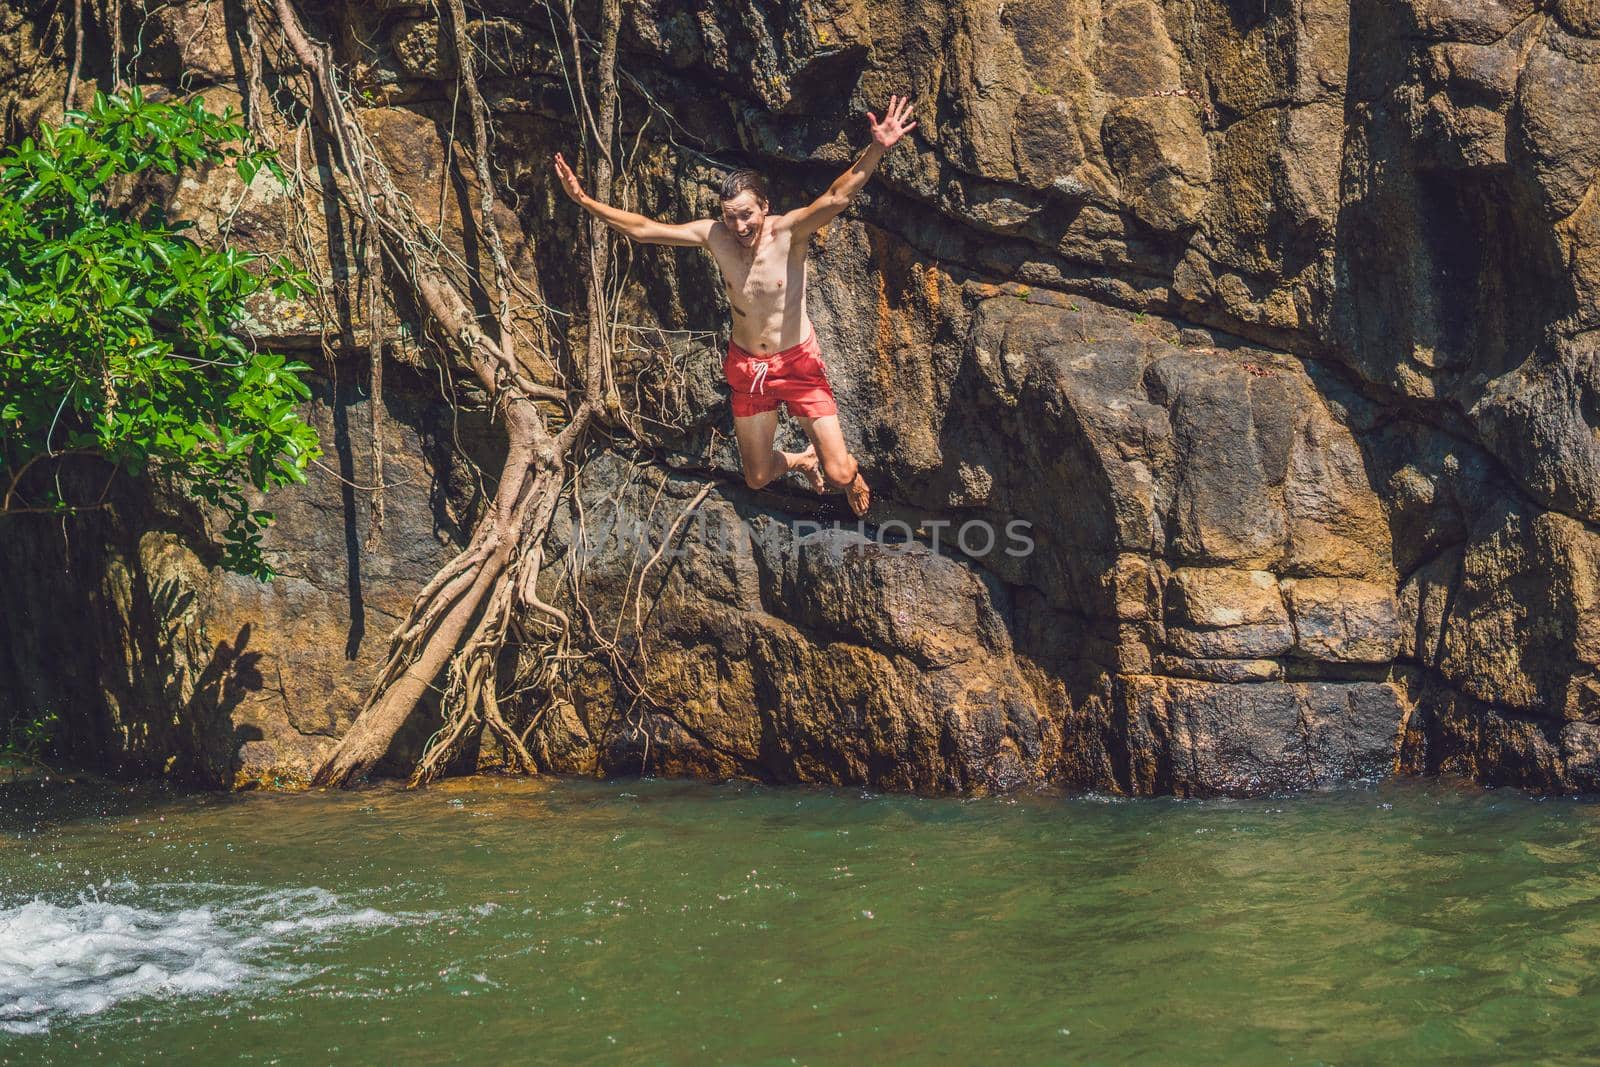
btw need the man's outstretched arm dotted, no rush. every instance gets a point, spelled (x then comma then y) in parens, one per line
(635, 227)
(885, 134)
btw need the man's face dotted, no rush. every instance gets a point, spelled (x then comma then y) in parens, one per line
(744, 215)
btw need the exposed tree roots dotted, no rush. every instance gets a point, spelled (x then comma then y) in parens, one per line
(459, 626)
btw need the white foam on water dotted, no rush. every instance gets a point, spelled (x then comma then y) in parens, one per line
(80, 959)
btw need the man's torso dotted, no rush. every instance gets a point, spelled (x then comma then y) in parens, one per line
(766, 287)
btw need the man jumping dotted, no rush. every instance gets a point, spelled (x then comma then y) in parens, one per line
(773, 356)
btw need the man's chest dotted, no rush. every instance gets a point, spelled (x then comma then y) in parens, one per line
(765, 277)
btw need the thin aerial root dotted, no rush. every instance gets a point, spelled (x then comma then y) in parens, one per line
(666, 542)
(77, 55)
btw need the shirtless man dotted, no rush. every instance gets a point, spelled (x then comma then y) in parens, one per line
(773, 357)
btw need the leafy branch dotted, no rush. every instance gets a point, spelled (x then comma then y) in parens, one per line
(119, 334)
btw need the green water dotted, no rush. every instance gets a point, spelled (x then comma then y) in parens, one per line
(664, 922)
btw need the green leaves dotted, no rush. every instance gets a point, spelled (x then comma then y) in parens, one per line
(116, 333)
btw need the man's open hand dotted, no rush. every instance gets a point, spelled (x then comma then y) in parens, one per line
(569, 180)
(894, 125)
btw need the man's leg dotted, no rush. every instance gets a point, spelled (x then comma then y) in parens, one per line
(839, 467)
(764, 464)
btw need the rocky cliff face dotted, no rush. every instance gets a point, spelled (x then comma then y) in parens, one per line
(1226, 373)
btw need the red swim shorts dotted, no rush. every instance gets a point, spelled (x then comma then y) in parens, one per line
(796, 377)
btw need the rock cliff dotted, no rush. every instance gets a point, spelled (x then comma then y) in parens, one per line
(1226, 373)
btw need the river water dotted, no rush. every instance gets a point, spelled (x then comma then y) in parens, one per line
(670, 922)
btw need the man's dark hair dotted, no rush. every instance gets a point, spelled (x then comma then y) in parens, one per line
(741, 181)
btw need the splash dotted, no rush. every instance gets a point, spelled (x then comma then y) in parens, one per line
(64, 960)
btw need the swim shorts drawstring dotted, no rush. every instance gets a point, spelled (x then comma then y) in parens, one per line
(793, 378)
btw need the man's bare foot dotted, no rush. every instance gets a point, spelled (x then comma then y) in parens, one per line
(859, 496)
(812, 469)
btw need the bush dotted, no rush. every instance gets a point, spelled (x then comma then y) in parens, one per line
(118, 334)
